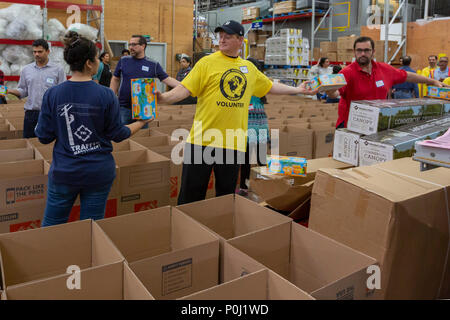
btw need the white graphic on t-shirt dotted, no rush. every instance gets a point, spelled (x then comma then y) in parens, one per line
(69, 119)
(83, 133)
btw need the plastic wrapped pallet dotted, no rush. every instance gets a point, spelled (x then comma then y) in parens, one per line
(84, 30)
(56, 30)
(4, 66)
(18, 54)
(22, 22)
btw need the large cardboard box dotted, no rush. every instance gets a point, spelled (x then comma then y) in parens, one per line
(345, 55)
(46, 252)
(346, 43)
(346, 146)
(44, 153)
(294, 140)
(143, 180)
(289, 193)
(23, 189)
(5, 130)
(111, 282)
(323, 268)
(261, 285)
(323, 136)
(326, 47)
(126, 145)
(250, 13)
(15, 150)
(394, 213)
(170, 253)
(284, 7)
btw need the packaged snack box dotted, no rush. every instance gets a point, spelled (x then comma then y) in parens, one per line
(3, 90)
(440, 93)
(143, 99)
(288, 166)
(328, 82)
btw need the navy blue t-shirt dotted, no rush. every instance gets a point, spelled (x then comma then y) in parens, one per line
(131, 68)
(83, 117)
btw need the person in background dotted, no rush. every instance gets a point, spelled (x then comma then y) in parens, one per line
(429, 73)
(185, 64)
(321, 68)
(35, 79)
(406, 90)
(137, 65)
(443, 71)
(257, 136)
(2, 83)
(82, 118)
(336, 70)
(125, 52)
(106, 75)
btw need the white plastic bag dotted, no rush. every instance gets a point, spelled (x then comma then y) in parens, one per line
(18, 55)
(3, 24)
(17, 29)
(16, 69)
(84, 30)
(5, 66)
(56, 30)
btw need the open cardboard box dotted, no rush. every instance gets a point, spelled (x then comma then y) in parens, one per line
(143, 180)
(149, 132)
(36, 143)
(42, 253)
(170, 253)
(286, 193)
(126, 145)
(114, 281)
(394, 213)
(294, 141)
(261, 285)
(5, 130)
(231, 216)
(44, 153)
(15, 150)
(169, 130)
(314, 263)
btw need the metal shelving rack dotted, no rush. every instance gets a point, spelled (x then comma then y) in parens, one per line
(45, 5)
(403, 6)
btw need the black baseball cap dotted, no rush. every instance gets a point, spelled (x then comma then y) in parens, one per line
(231, 27)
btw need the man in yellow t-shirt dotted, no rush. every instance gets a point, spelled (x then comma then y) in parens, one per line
(429, 73)
(224, 84)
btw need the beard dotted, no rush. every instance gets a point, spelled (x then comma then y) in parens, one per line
(363, 61)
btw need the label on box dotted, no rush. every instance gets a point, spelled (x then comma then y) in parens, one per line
(34, 224)
(289, 166)
(25, 193)
(363, 119)
(144, 206)
(176, 276)
(346, 147)
(373, 152)
(143, 98)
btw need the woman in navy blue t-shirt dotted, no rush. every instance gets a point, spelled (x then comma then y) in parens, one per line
(82, 117)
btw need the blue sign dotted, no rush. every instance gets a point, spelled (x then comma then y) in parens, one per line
(257, 24)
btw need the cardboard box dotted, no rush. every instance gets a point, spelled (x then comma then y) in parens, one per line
(143, 179)
(261, 285)
(126, 145)
(346, 146)
(345, 55)
(44, 153)
(250, 13)
(309, 261)
(170, 253)
(36, 143)
(326, 47)
(332, 56)
(323, 138)
(346, 43)
(21, 218)
(111, 282)
(284, 7)
(328, 82)
(15, 150)
(171, 130)
(288, 193)
(394, 213)
(371, 116)
(431, 155)
(5, 130)
(143, 99)
(288, 166)
(35, 255)
(294, 140)
(231, 216)
(440, 93)
(397, 143)
(150, 132)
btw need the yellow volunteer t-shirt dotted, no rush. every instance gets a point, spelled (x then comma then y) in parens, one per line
(224, 87)
(447, 81)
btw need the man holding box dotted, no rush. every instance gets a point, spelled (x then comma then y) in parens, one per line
(137, 65)
(370, 80)
(224, 84)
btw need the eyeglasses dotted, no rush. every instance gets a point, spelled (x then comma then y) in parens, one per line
(134, 44)
(363, 50)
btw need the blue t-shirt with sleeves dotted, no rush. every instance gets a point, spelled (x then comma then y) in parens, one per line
(83, 118)
(131, 68)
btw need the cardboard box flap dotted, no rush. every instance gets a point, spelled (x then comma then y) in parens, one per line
(150, 230)
(269, 247)
(133, 289)
(138, 157)
(26, 168)
(100, 283)
(186, 232)
(103, 249)
(156, 141)
(14, 144)
(235, 263)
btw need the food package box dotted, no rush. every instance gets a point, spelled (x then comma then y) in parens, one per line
(441, 93)
(346, 146)
(3, 90)
(250, 13)
(395, 144)
(327, 82)
(143, 98)
(289, 166)
(371, 116)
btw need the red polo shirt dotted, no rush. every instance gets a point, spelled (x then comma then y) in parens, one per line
(364, 86)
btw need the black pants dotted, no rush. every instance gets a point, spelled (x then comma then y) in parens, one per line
(197, 171)
(29, 123)
(261, 160)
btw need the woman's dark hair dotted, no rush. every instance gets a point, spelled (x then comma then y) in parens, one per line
(78, 50)
(103, 55)
(260, 67)
(125, 50)
(188, 59)
(322, 61)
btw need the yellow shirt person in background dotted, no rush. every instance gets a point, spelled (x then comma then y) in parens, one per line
(427, 72)
(447, 81)
(224, 84)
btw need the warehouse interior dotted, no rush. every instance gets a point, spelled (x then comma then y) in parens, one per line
(346, 196)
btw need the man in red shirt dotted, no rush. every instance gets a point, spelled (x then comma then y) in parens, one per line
(370, 80)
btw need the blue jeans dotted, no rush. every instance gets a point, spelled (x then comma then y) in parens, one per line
(402, 94)
(126, 117)
(61, 197)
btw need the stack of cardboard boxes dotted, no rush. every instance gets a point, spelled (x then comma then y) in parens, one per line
(329, 49)
(250, 13)
(11, 120)
(287, 49)
(257, 41)
(345, 48)
(284, 7)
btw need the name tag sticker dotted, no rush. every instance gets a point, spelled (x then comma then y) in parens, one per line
(380, 83)
(145, 68)
(50, 80)
(244, 69)
(250, 107)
